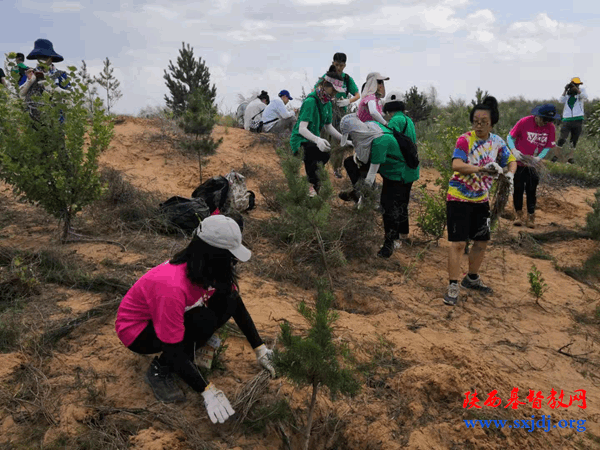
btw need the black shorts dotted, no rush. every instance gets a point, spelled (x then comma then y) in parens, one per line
(468, 220)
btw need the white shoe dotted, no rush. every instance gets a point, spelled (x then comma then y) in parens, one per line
(312, 192)
(397, 244)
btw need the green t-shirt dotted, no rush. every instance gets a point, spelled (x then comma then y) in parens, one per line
(349, 87)
(316, 114)
(386, 152)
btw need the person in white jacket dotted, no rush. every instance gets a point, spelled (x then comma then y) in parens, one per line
(572, 123)
(276, 117)
(255, 109)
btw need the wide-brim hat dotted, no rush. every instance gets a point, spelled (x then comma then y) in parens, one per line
(546, 111)
(44, 48)
(377, 76)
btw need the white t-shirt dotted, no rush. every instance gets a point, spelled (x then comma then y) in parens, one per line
(253, 112)
(275, 110)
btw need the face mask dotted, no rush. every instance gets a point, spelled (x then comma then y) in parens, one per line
(324, 96)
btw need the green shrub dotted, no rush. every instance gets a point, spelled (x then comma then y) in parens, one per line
(432, 215)
(593, 218)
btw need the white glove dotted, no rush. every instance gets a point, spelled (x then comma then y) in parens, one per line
(493, 168)
(370, 179)
(264, 356)
(537, 158)
(218, 407)
(323, 144)
(517, 154)
(343, 102)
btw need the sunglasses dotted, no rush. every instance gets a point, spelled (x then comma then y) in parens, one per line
(547, 119)
(379, 81)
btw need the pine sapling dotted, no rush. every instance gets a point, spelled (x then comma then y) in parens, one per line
(537, 284)
(314, 359)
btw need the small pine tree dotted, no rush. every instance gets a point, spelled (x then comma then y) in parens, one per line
(198, 121)
(91, 91)
(314, 360)
(417, 105)
(107, 80)
(183, 79)
(479, 97)
(305, 217)
(54, 160)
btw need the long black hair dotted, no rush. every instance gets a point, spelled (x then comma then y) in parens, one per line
(490, 104)
(208, 266)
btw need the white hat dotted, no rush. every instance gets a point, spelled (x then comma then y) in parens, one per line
(223, 232)
(377, 76)
(394, 96)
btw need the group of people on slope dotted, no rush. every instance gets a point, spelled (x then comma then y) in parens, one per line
(263, 115)
(177, 306)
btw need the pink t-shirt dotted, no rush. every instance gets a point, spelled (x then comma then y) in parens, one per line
(530, 139)
(363, 108)
(162, 295)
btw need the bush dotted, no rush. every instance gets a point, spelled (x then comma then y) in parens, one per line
(432, 215)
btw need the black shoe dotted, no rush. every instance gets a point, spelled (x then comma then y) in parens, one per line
(554, 159)
(387, 249)
(570, 161)
(162, 383)
(476, 285)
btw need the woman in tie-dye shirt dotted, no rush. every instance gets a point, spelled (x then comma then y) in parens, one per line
(478, 158)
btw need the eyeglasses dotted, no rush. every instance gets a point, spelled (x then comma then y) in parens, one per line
(379, 81)
(477, 123)
(547, 119)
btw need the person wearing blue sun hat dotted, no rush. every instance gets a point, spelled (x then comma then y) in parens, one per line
(44, 77)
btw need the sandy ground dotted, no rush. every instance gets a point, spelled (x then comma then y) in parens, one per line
(434, 354)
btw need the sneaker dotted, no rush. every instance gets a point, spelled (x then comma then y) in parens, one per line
(520, 219)
(476, 284)
(530, 220)
(338, 173)
(397, 244)
(162, 383)
(386, 250)
(312, 192)
(451, 296)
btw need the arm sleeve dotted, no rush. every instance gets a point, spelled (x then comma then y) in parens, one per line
(283, 111)
(510, 141)
(373, 168)
(244, 321)
(352, 88)
(583, 94)
(24, 89)
(175, 357)
(374, 113)
(333, 132)
(544, 152)
(563, 98)
(305, 132)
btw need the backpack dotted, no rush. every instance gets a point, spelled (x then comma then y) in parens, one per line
(184, 214)
(240, 198)
(214, 192)
(407, 147)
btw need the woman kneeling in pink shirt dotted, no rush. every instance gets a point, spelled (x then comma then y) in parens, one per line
(177, 306)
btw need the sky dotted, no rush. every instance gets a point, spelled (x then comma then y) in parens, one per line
(509, 48)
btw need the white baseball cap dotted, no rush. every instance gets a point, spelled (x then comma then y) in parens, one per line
(223, 232)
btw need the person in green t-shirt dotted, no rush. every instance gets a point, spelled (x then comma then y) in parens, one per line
(350, 94)
(314, 116)
(397, 176)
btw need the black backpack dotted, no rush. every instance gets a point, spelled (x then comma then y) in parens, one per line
(180, 213)
(407, 147)
(214, 192)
